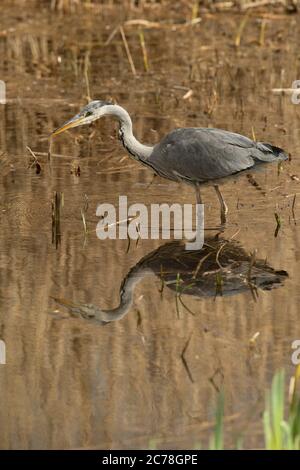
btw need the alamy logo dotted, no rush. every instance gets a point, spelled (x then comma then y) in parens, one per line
(137, 221)
(2, 92)
(296, 353)
(296, 93)
(2, 352)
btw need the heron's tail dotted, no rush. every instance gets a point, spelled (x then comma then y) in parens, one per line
(269, 150)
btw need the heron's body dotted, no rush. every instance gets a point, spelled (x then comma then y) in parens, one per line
(206, 155)
(195, 156)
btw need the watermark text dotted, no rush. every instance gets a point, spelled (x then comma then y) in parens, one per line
(137, 221)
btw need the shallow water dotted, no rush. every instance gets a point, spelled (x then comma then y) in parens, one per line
(68, 383)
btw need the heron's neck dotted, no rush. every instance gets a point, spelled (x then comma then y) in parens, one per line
(138, 150)
(126, 295)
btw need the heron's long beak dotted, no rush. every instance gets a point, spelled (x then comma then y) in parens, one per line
(74, 122)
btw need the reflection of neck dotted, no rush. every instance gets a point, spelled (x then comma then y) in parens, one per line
(138, 150)
(126, 295)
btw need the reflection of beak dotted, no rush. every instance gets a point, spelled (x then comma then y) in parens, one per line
(74, 122)
(65, 302)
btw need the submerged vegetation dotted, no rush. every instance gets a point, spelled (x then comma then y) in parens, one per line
(281, 429)
(281, 433)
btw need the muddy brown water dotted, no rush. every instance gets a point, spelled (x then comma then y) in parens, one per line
(71, 384)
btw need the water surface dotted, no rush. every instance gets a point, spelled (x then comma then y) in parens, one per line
(71, 384)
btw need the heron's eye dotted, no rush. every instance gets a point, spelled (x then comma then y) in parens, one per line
(88, 113)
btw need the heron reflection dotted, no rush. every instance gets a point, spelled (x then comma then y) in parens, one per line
(221, 268)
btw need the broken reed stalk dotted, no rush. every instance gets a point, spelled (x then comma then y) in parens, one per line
(262, 33)
(278, 222)
(241, 29)
(219, 284)
(251, 285)
(129, 56)
(182, 302)
(195, 10)
(86, 75)
(83, 221)
(49, 154)
(293, 205)
(201, 261)
(184, 361)
(161, 289)
(31, 152)
(112, 35)
(144, 50)
(177, 286)
(57, 204)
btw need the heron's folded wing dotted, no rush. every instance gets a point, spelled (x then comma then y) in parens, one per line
(198, 154)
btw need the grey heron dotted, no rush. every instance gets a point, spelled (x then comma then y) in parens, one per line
(195, 155)
(193, 273)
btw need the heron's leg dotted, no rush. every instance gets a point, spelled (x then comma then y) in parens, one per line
(198, 194)
(224, 208)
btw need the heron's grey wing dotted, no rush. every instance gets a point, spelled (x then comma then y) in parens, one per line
(260, 151)
(200, 154)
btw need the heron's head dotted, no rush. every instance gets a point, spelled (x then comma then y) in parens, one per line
(85, 311)
(92, 111)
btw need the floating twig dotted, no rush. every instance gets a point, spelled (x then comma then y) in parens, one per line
(283, 91)
(35, 162)
(253, 341)
(260, 3)
(188, 95)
